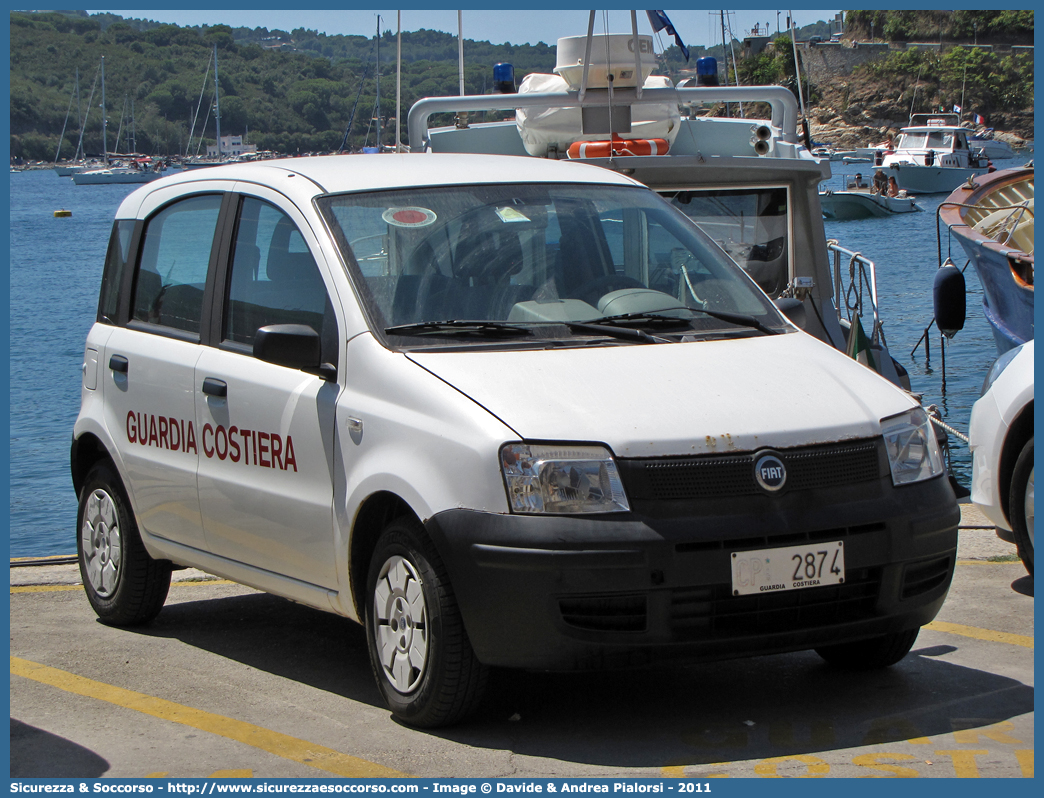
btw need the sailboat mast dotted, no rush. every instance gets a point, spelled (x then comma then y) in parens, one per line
(460, 49)
(105, 122)
(79, 118)
(217, 103)
(398, 82)
(378, 101)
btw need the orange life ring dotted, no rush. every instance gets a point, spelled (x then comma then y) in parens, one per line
(618, 147)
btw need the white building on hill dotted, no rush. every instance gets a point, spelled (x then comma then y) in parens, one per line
(231, 145)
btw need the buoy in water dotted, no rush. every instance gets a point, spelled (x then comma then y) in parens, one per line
(62, 214)
(949, 299)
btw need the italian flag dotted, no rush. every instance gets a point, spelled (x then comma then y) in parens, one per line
(859, 345)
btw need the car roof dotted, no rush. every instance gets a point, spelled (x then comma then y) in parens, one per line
(332, 174)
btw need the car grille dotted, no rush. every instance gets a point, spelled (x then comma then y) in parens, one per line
(717, 476)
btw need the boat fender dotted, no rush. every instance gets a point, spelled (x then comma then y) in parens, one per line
(618, 147)
(949, 298)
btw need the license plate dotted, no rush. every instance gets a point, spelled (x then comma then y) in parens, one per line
(789, 568)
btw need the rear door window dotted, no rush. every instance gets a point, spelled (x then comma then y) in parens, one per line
(175, 257)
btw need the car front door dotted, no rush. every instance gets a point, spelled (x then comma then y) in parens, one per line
(266, 431)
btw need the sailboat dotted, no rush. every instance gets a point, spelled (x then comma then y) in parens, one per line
(195, 162)
(78, 163)
(139, 172)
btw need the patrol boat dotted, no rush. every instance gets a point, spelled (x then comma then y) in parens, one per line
(748, 182)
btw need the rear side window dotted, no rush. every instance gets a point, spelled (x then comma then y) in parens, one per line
(175, 257)
(115, 264)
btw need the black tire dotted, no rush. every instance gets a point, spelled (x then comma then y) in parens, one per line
(124, 585)
(1020, 505)
(417, 611)
(875, 652)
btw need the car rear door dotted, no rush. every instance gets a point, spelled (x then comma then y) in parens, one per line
(149, 363)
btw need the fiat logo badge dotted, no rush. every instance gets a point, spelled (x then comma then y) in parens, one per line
(770, 472)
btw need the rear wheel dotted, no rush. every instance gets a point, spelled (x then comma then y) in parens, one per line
(124, 585)
(875, 652)
(1020, 505)
(419, 650)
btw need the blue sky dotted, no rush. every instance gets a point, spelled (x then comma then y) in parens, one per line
(701, 27)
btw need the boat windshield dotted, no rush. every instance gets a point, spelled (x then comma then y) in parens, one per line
(926, 140)
(534, 257)
(751, 224)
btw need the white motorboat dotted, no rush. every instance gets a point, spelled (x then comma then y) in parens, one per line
(856, 201)
(992, 148)
(749, 183)
(933, 155)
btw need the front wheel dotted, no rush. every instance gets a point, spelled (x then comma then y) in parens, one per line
(1020, 505)
(124, 585)
(420, 653)
(876, 652)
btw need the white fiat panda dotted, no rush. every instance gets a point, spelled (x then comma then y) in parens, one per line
(501, 411)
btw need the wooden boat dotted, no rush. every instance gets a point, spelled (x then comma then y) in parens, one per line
(992, 218)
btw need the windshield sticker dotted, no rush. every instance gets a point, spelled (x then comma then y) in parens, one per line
(409, 217)
(508, 214)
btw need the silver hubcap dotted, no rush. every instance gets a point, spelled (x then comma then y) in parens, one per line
(102, 543)
(1028, 507)
(401, 624)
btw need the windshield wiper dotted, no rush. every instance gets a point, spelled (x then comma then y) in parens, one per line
(455, 326)
(738, 318)
(654, 317)
(623, 333)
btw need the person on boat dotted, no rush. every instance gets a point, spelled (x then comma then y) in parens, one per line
(990, 167)
(859, 181)
(880, 185)
(893, 187)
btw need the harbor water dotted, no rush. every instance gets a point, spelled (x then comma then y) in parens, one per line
(55, 270)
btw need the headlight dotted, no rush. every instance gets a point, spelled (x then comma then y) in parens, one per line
(562, 479)
(998, 366)
(913, 451)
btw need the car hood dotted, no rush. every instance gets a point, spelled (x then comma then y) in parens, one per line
(649, 400)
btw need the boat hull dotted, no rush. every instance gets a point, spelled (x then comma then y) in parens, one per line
(107, 177)
(845, 205)
(998, 239)
(917, 179)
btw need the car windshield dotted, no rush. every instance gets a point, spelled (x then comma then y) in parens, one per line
(540, 260)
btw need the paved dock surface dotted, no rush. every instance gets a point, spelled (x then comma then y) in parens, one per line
(230, 682)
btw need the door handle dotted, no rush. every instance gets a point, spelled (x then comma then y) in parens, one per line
(215, 387)
(119, 363)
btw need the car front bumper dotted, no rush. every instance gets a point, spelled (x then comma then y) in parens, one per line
(654, 585)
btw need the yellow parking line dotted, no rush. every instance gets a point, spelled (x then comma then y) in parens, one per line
(58, 588)
(272, 742)
(981, 634)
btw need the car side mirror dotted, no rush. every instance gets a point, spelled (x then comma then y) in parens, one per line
(295, 346)
(793, 309)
